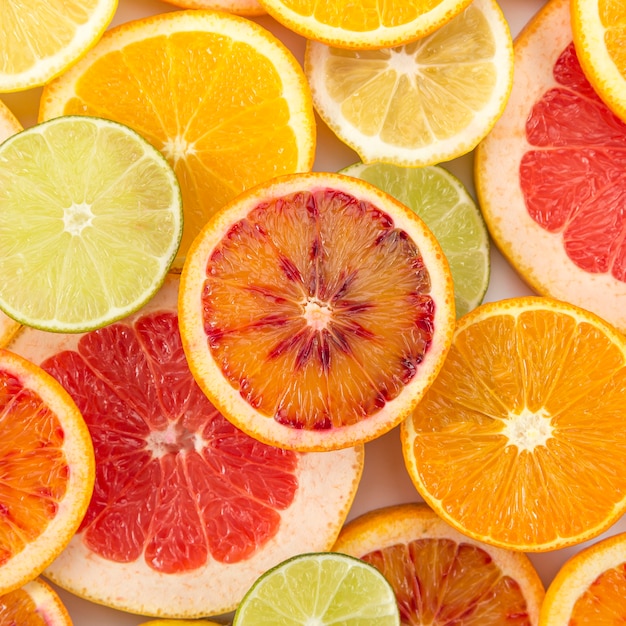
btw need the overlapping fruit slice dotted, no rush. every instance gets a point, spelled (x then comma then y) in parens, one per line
(34, 604)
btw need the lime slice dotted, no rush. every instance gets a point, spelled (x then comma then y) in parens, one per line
(452, 215)
(91, 222)
(319, 589)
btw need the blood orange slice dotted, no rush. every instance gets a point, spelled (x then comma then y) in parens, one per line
(187, 510)
(550, 175)
(34, 604)
(315, 311)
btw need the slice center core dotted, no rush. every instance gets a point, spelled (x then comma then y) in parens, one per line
(317, 314)
(528, 429)
(77, 217)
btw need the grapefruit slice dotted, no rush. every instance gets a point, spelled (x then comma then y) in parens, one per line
(187, 511)
(315, 311)
(34, 604)
(550, 175)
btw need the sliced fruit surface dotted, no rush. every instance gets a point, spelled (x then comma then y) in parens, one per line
(440, 576)
(423, 103)
(92, 220)
(315, 311)
(452, 215)
(322, 588)
(47, 469)
(369, 24)
(519, 442)
(223, 99)
(599, 29)
(550, 175)
(590, 587)
(238, 7)
(180, 622)
(33, 604)
(187, 511)
(42, 38)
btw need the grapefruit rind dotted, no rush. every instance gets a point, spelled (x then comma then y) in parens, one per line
(228, 399)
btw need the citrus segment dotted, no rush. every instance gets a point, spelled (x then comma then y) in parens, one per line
(599, 28)
(180, 622)
(429, 101)
(238, 7)
(519, 442)
(590, 587)
(549, 177)
(187, 511)
(34, 604)
(440, 576)
(345, 296)
(42, 39)
(452, 215)
(370, 24)
(327, 588)
(219, 95)
(46, 464)
(92, 219)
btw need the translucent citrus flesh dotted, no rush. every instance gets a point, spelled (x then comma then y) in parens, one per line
(314, 297)
(320, 589)
(33, 466)
(525, 415)
(451, 214)
(91, 223)
(613, 19)
(17, 607)
(604, 602)
(34, 604)
(241, 116)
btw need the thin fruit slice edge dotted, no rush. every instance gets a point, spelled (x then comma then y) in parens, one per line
(34, 604)
(255, 500)
(315, 306)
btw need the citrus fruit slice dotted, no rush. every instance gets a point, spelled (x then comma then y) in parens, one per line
(519, 441)
(315, 311)
(429, 101)
(452, 215)
(599, 28)
(47, 469)
(238, 7)
(440, 576)
(219, 95)
(180, 622)
(590, 587)
(328, 588)
(41, 39)
(369, 24)
(92, 220)
(9, 125)
(549, 177)
(34, 604)
(187, 511)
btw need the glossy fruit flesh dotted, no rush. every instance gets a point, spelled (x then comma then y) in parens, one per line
(18, 608)
(33, 469)
(604, 602)
(334, 312)
(175, 482)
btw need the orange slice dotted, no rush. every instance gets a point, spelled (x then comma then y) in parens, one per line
(519, 442)
(47, 470)
(219, 95)
(238, 7)
(315, 311)
(34, 604)
(550, 175)
(187, 511)
(440, 576)
(590, 588)
(599, 29)
(366, 24)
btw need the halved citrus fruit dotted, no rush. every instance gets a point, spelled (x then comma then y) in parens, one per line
(33, 604)
(550, 175)
(315, 311)
(219, 95)
(320, 588)
(453, 216)
(429, 101)
(91, 222)
(590, 587)
(599, 29)
(187, 511)
(440, 576)
(41, 39)
(47, 470)
(368, 24)
(520, 440)
(238, 7)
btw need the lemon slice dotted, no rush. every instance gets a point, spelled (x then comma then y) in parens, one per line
(428, 101)
(92, 220)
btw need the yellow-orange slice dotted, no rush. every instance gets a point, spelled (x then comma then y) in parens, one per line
(238, 7)
(33, 604)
